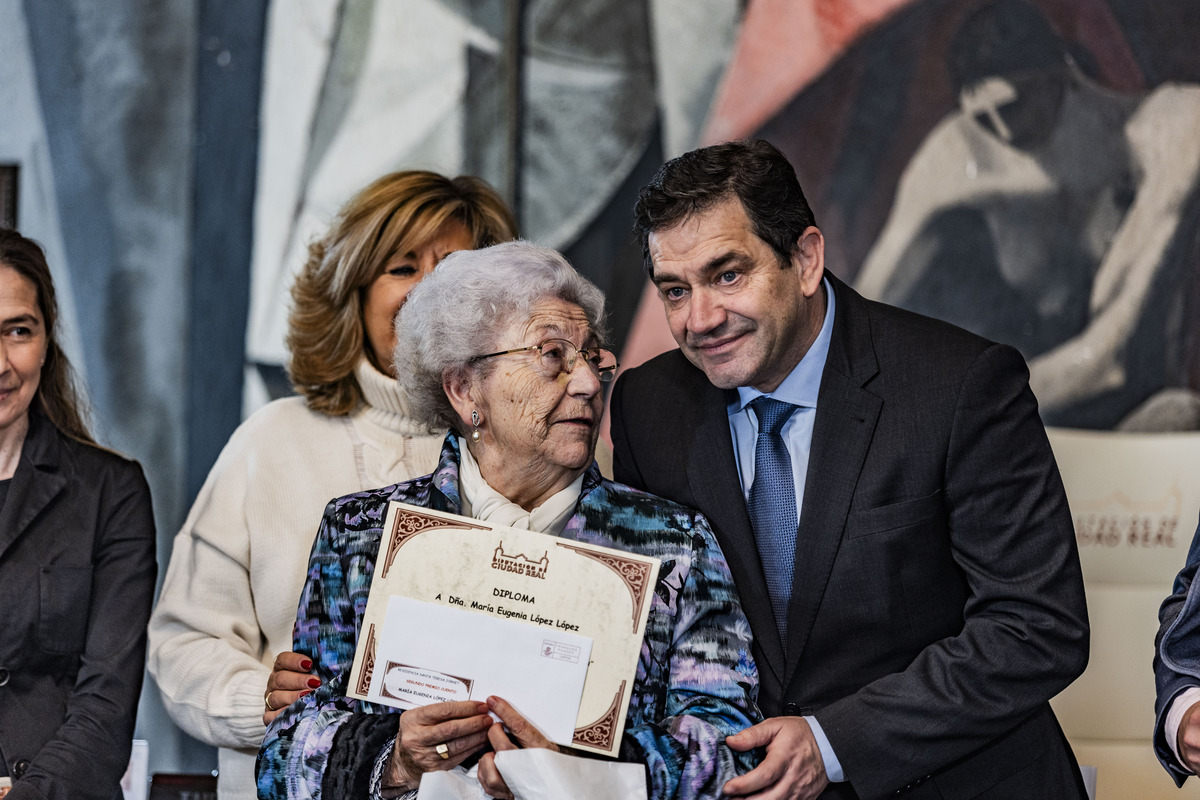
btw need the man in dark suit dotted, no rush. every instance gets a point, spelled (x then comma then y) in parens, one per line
(891, 510)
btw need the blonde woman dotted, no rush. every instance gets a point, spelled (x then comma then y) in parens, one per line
(238, 564)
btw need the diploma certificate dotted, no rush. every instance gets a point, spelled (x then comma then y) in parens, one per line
(460, 609)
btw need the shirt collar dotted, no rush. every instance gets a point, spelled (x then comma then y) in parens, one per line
(803, 383)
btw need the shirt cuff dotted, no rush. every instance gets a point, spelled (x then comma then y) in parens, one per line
(376, 785)
(1179, 706)
(833, 767)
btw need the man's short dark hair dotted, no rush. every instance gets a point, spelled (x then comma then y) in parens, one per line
(754, 172)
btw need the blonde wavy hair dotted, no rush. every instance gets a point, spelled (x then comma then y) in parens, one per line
(395, 214)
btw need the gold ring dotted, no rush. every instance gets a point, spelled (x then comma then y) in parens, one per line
(443, 751)
(267, 701)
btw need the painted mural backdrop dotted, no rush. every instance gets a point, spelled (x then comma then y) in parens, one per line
(353, 89)
(1030, 171)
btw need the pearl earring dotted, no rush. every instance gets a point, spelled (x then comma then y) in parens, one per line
(475, 421)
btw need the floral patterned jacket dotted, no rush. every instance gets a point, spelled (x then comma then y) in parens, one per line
(695, 681)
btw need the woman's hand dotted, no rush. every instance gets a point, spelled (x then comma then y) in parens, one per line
(433, 737)
(290, 680)
(520, 729)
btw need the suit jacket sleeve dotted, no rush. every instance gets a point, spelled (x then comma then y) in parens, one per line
(1183, 643)
(624, 469)
(1025, 633)
(91, 748)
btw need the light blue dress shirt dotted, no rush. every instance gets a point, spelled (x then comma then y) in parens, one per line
(800, 388)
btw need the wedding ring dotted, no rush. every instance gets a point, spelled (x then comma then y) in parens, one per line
(267, 701)
(443, 750)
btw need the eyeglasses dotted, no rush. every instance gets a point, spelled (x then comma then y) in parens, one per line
(556, 356)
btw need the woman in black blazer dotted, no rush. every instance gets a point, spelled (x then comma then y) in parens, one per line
(77, 564)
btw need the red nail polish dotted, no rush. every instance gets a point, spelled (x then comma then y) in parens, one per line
(314, 682)
(306, 692)
(306, 664)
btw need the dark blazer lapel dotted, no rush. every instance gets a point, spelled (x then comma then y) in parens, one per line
(35, 484)
(842, 431)
(712, 476)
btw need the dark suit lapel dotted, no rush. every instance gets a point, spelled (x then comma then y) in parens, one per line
(712, 476)
(34, 485)
(842, 431)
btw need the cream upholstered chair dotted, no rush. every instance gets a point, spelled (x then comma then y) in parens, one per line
(1135, 499)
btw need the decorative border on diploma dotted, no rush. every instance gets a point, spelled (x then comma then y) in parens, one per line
(634, 573)
(600, 734)
(409, 523)
(364, 677)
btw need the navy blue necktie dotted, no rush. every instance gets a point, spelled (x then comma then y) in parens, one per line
(773, 505)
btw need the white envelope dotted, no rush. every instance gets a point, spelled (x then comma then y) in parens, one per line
(542, 775)
(430, 653)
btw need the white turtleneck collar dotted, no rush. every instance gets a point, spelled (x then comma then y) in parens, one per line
(386, 404)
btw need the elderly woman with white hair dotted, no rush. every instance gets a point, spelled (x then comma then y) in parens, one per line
(504, 346)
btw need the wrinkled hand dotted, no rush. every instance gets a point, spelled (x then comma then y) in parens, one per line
(519, 728)
(792, 769)
(1189, 738)
(461, 726)
(290, 680)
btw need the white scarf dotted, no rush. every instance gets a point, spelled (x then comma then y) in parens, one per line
(481, 501)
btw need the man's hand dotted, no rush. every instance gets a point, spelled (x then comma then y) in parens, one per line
(1189, 738)
(289, 681)
(792, 768)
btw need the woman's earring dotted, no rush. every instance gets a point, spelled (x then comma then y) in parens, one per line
(475, 421)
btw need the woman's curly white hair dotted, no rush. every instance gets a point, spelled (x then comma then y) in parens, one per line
(460, 310)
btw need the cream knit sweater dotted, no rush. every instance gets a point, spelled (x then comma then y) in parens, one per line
(229, 599)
